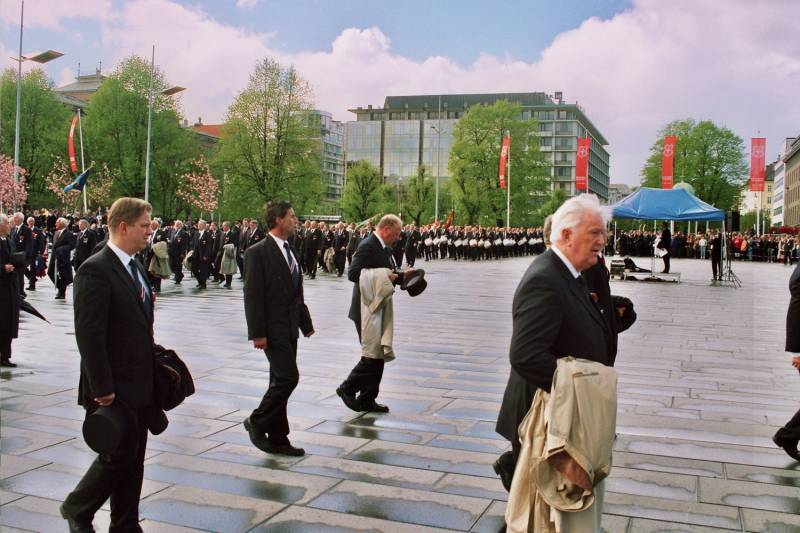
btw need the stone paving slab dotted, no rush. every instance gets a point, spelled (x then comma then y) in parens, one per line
(703, 384)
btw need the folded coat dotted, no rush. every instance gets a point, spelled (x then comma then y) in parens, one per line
(377, 313)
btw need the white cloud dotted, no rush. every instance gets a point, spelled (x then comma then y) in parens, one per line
(246, 4)
(51, 15)
(735, 62)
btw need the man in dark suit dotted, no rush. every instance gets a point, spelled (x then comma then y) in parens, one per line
(202, 253)
(553, 314)
(360, 389)
(23, 242)
(340, 242)
(159, 235)
(216, 233)
(178, 247)
(60, 268)
(39, 247)
(229, 236)
(85, 242)
(275, 310)
(313, 249)
(788, 436)
(665, 244)
(240, 241)
(114, 331)
(716, 256)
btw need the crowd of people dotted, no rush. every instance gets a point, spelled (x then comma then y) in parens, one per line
(747, 246)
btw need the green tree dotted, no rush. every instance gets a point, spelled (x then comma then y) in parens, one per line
(418, 195)
(557, 197)
(710, 158)
(363, 192)
(44, 127)
(474, 163)
(270, 147)
(115, 133)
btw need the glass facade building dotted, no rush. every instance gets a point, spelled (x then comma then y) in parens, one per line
(332, 137)
(409, 131)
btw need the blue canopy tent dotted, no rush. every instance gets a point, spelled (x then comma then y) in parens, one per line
(667, 204)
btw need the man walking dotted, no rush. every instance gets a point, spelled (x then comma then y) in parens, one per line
(203, 249)
(114, 331)
(360, 389)
(60, 268)
(788, 436)
(275, 310)
(23, 242)
(178, 247)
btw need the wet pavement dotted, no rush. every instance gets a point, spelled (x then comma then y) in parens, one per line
(703, 385)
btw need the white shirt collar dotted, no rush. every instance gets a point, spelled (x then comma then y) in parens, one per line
(123, 256)
(278, 240)
(566, 261)
(383, 244)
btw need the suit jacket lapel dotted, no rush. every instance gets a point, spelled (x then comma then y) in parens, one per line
(279, 256)
(580, 293)
(127, 279)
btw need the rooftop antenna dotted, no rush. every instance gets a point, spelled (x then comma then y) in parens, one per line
(79, 69)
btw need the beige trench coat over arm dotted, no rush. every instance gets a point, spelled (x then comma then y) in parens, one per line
(377, 313)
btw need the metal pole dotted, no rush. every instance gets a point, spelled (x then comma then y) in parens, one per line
(149, 119)
(438, 157)
(19, 101)
(758, 214)
(83, 165)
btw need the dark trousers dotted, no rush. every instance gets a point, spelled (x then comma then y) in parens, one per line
(20, 273)
(176, 264)
(228, 279)
(270, 416)
(311, 264)
(240, 263)
(61, 286)
(30, 273)
(201, 271)
(411, 257)
(117, 476)
(790, 433)
(339, 260)
(155, 281)
(716, 267)
(5, 348)
(666, 263)
(365, 378)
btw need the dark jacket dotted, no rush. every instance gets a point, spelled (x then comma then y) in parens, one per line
(84, 245)
(273, 308)
(369, 254)
(553, 316)
(60, 257)
(597, 278)
(114, 331)
(24, 241)
(9, 293)
(793, 313)
(179, 243)
(203, 247)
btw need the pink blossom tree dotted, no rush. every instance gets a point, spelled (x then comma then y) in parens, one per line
(198, 188)
(11, 193)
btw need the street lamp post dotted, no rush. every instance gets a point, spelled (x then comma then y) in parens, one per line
(43, 57)
(438, 130)
(166, 92)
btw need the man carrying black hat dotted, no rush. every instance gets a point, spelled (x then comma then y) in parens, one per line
(114, 330)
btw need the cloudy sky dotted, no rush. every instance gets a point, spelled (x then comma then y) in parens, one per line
(632, 65)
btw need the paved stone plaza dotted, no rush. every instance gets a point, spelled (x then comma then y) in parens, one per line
(704, 383)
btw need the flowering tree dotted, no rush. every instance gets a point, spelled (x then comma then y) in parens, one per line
(11, 194)
(59, 177)
(98, 187)
(199, 188)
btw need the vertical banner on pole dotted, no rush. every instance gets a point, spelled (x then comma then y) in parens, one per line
(504, 153)
(668, 161)
(582, 164)
(758, 147)
(73, 163)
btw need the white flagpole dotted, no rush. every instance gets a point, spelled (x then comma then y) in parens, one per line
(83, 165)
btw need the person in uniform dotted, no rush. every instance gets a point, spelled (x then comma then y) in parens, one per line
(178, 248)
(229, 236)
(85, 242)
(23, 242)
(60, 268)
(216, 233)
(39, 248)
(340, 241)
(9, 293)
(313, 250)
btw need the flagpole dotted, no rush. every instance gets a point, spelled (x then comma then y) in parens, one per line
(149, 118)
(508, 185)
(83, 165)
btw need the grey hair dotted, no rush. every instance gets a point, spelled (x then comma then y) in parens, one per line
(31, 219)
(571, 213)
(177, 222)
(19, 215)
(63, 221)
(392, 221)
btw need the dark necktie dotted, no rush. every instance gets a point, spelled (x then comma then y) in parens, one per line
(391, 257)
(292, 266)
(138, 284)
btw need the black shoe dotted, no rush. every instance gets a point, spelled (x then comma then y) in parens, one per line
(23, 295)
(504, 467)
(374, 407)
(284, 449)
(74, 525)
(259, 440)
(8, 364)
(60, 296)
(227, 286)
(349, 400)
(790, 449)
(31, 288)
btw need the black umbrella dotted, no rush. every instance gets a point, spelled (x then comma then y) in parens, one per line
(28, 308)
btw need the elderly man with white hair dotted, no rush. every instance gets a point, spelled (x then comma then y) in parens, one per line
(554, 317)
(23, 241)
(60, 268)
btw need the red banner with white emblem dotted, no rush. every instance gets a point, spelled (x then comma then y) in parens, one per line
(582, 164)
(758, 149)
(505, 152)
(668, 161)
(71, 145)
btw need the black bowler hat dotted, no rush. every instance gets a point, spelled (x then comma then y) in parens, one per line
(108, 426)
(414, 282)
